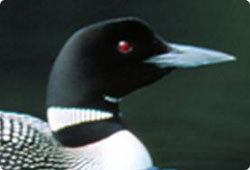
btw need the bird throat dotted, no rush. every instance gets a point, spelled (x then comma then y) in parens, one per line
(75, 127)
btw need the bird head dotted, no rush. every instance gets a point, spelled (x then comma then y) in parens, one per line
(115, 57)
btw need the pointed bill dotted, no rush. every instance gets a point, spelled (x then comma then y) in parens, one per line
(184, 56)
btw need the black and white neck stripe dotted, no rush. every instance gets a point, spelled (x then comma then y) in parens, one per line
(60, 118)
(75, 127)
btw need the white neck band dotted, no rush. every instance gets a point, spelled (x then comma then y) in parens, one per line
(59, 117)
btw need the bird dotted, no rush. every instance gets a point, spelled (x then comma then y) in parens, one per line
(98, 66)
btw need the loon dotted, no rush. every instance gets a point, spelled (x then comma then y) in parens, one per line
(97, 66)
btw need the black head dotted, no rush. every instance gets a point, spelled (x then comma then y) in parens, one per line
(105, 59)
(111, 58)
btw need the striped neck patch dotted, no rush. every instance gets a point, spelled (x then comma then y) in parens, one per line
(60, 117)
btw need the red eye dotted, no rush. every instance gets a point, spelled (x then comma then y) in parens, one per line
(124, 47)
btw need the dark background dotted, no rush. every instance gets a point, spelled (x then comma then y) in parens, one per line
(195, 119)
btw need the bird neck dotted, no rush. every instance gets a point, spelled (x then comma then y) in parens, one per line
(77, 126)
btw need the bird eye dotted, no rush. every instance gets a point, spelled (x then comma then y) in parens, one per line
(124, 47)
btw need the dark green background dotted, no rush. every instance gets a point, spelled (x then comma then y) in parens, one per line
(192, 119)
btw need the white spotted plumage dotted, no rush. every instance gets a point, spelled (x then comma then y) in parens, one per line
(27, 143)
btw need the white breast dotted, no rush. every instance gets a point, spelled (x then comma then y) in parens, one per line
(120, 151)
